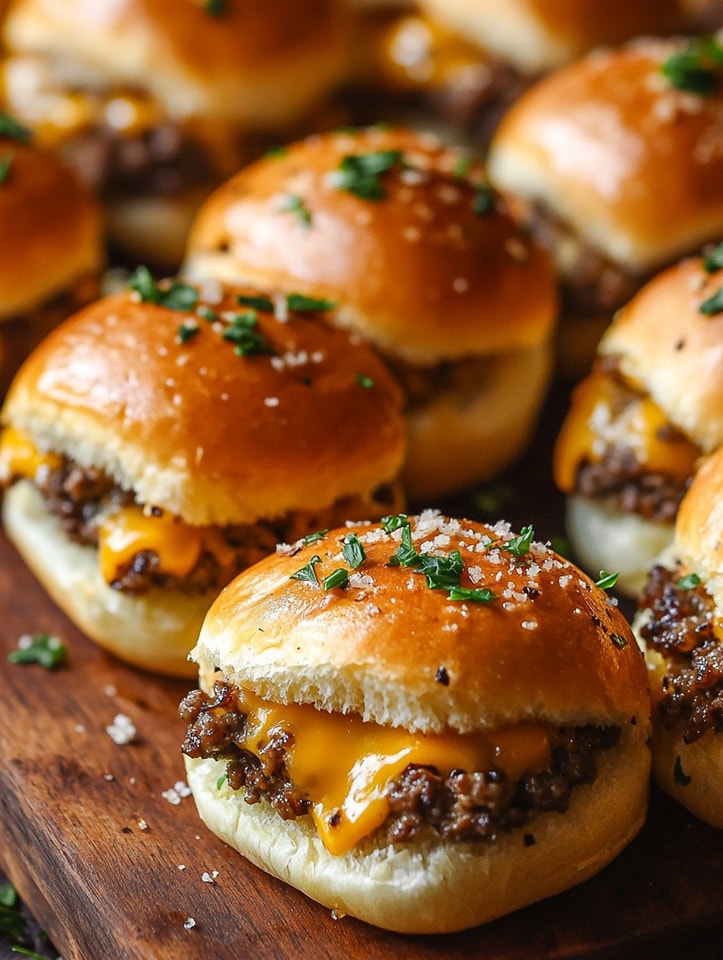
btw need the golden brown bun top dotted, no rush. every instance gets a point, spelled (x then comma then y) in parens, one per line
(415, 270)
(201, 431)
(50, 229)
(672, 350)
(548, 646)
(699, 527)
(536, 35)
(195, 57)
(629, 161)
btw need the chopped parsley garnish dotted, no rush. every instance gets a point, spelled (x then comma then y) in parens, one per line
(360, 173)
(519, 546)
(442, 573)
(9, 127)
(353, 551)
(679, 775)
(263, 304)
(337, 578)
(689, 582)
(308, 573)
(187, 330)
(618, 640)
(6, 161)
(405, 555)
(176, 296)
(714, 260)
(215, 8)
(462, 165)
(206, 313)
(606, 581)
(278, 151)
(394, 521)
(314, 537)
(484, 200)
(243, 333)
(697, 68)
(303, 304)
(712, 305)
(43, 648)
(221, 780)
(473, 594)
(364, 381)
(294, 204)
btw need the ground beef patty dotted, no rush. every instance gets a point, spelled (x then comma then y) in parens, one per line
(464, 806)
(679, 625)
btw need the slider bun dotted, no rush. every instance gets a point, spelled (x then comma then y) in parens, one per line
(193, 428)
(536, 35)
(418, 273)
(621, 156)
(50, 230)
(667, 347)
(258, 64)
(375, 649)
(698, 526)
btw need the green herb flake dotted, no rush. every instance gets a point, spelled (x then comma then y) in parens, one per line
(314, 537)
(176, 296)
(689, 582)
(484, 200)
(472, 594)
(12, 922)
(10, 128)
(405, 555)
(221, 780)
(679, 775)
(442, 573)
(364, 381)
(43, 648)
(206, 313)
(141, 281)
(712, 305)
(463, 165)
(260, 303)
(618, 640)
(215, 8)
(6, 161)
(277, 151)
(713, 260)
(520, 546)
(394, 521)
(360, 173)
(337, 578)
(243, 333)
(693, 70)
(307, 573)
(353, 551)
(606, 581)
(295, 204)
(303, 304)
(187, 331)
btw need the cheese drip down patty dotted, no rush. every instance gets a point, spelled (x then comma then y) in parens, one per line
(354, 777)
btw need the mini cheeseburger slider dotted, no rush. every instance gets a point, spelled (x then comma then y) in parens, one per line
(616, 162)
(679, 624)
(425, 723)
(423, 260)
(640, 422)
(52, 245)
(155, 103)
(167, 436)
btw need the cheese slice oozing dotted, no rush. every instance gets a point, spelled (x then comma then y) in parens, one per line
(343, 763)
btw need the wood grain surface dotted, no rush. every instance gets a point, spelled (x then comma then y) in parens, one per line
(112, 869)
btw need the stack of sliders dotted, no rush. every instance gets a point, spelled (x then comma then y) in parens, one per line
(165, 437)
(423, 722)
(616, 163)
(679, 625)
(52, 246)
(423, 260)
(155, 103)
(641, 421)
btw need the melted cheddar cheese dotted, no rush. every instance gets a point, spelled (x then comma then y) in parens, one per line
(343, 764)
(20, 457)
(599, 419)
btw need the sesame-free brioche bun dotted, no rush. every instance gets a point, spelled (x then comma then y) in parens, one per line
(548, 649)
(624, 158)
(431, 269)
(667, 349)
(245, 62)
(537, 35)
(692, 772)
(306, 424)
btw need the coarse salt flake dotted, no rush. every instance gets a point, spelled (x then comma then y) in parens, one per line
(122, 730)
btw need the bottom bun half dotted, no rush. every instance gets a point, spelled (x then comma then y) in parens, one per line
(622, 543)
(154, 631)
(435, 886)
(691, 773)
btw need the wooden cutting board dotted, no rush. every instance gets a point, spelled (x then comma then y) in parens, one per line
(112, 869)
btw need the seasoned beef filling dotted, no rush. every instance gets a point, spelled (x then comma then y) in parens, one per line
(79, 496)
(465, 805)
(680, 627)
